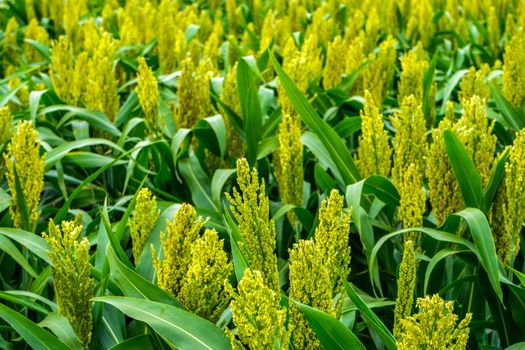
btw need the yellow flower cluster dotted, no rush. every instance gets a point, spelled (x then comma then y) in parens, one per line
(514, 188)
(335, 64)
(144, 218)
(473, 84)
(289, 163)
(410, 150)
(148, 93)
(6, 127)
(310, 284)
(332, 239)
(230, 97)
(420, 23)
(301, 66)
(406, 283)
(378, 74)
(443, 187)
(25, 168)
(193, 90)
(6, 132)
(413, 68)
(195, 268)
(251, 208)
(259, 318)
(205, 287)
(72, 275)
(514, 69)
(88, 76)
(176, 244)
(434, 327)
(374, 152)
(475, 132)
(37, 33)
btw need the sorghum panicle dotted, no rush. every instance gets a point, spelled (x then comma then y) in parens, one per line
(406, 283)
(25, 164)
(434, 327)
(148, 93)
(145, 216)
(72, 275)
(257, 314)
(251, 209)
(205, 288)
(289, 163)
(374, 152)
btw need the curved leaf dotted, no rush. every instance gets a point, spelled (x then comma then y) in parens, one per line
(180, 328)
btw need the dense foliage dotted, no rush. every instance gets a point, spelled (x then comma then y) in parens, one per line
(258, 174)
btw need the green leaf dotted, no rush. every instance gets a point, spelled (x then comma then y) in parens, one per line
(61, 151)
(198, 182)
(512, 116)
(517, 346)
(332, 333)
(465, 170)
(37, 337)
(338, 151)
(371, 318)
(440, 255)
(180, 328)
(251, 108)
(217, 183)
(94, 118)
(21, 202)
(239, 262)
(36, 244)
(452, 82)
(61, 327)
(139, 342)
(134, 285)
(7, 246)
(484, 242)
(498, 173)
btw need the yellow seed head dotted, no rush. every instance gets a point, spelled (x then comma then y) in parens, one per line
(444, 192)
(515, 186)
(332, 239)
(205, 287)
(413, 67)
(67, 73)
(251, 209)
(378, 74)
(420, 23)
(335, 60)
(473, 83)
(230, 97)
(24, 163)
(72, 275)
(475, 132)
(144, 218)
(37, 33)
(259, 318)
(194, 93)
(102, 86)
(406, 282)
(514, 69)
(374, 152)
(289, 164)
(148, 93)
(502, 237)
(6, 132)
(493, 30)
(310, 284)
(410, 138)
(176, 243)
(434, 327)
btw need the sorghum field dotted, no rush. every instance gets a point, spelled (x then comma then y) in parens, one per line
(262, 174)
